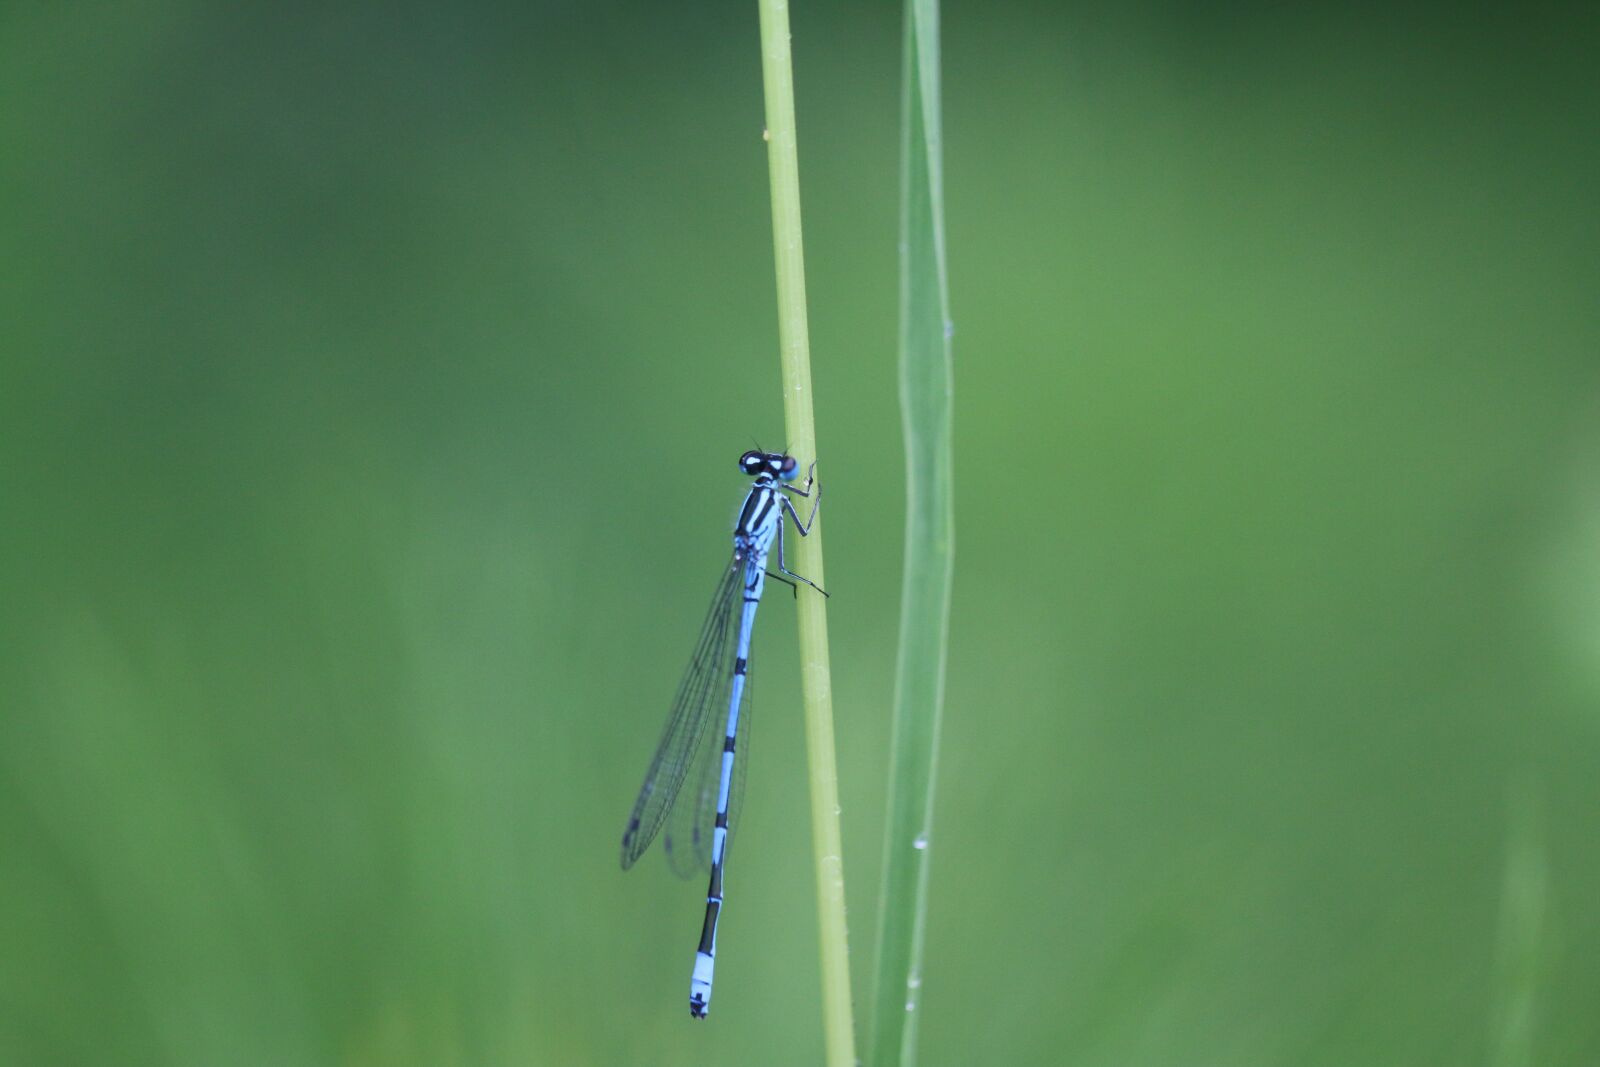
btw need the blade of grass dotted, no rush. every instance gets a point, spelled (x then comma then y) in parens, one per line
(815, 680)
(1522, 936)
(926, 382)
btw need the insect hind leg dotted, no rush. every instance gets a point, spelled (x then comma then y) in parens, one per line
(786, 570)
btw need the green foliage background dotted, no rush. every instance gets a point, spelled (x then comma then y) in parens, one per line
(371, 378)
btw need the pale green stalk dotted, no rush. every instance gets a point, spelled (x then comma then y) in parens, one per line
(816, 686)
(926, 383)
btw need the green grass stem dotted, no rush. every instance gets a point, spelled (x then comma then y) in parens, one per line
(926, 382)
(816, 684)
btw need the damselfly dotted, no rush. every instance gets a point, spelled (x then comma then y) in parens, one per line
(718, 676)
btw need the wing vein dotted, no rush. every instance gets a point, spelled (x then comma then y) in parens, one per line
(694, 706)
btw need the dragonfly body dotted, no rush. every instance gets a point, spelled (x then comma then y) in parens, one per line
(759, 521)
(719, 666)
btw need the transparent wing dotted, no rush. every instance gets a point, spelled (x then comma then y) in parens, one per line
(687, 838)
(694, 818)
(709, 672)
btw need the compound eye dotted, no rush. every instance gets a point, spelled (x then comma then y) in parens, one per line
(790, 468)
(752, 462)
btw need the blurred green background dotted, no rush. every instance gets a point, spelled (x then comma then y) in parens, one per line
(371, 380)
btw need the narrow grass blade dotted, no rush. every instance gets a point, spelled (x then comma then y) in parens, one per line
(1522, 936)
(926, 384)
(815, 679)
